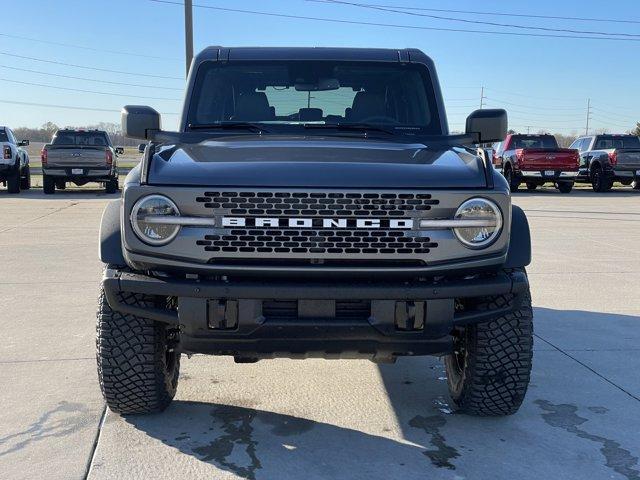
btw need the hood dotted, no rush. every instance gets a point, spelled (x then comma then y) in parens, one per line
(324, 162)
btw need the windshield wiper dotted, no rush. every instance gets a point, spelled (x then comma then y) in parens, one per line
(253, 127)
(360, 127)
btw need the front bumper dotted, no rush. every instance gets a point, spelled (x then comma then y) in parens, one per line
(233, 318)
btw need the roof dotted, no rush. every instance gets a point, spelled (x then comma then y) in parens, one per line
(218, 53)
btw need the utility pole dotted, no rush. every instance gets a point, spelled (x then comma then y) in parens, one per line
(586, 130)
(188, 32)
(482, 98)
(528, 129)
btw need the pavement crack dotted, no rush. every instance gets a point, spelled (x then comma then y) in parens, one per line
(94, 448)
(57, 210)
(564, 352)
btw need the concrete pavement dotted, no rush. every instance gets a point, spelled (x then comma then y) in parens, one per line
(281, 419)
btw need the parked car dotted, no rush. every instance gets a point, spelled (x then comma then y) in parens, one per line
(366, 232)
(14, 162)
(80, 157)
(535, 160)
(605, 159)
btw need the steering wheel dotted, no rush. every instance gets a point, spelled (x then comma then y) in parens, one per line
(379, 119)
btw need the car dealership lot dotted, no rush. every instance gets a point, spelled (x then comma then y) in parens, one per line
(281, 419)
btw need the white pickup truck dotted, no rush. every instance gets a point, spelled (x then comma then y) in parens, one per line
(14, 162)
(80, 156)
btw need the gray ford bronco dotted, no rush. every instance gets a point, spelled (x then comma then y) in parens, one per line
(314, 204)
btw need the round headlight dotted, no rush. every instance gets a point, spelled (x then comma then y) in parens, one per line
(150, 220)
(487, 219)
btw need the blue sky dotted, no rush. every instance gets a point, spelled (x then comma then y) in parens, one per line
(542, 82)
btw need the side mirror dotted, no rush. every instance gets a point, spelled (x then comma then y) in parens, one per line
(138, 121)
(141, 147)
(488, 125)
(119, 150)
(23, 143)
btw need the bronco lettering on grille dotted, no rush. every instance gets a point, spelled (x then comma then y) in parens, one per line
(338, 223)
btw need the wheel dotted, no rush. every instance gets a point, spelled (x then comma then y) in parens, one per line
(599, 182)
(635, 184)
(565, 187)
(48, 185)
(511, 179)
(137, 368)
(13, 181)
(61, 185)
(25, 181)
(531, 186)
(111, 186)
(488, 373)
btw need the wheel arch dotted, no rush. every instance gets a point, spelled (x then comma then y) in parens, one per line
(519, 253)
(110, 245)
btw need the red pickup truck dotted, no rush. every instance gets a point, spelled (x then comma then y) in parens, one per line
(535, 160)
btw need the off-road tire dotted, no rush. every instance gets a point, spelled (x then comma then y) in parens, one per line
(531, 186)
(565, 187)
(111, 185)
(48, 185)
(490, 373)
(13, 181)
(599, 181)
(512, 180)
(137, 372)
(25, 181)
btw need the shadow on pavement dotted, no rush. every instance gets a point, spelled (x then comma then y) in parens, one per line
(616, 192)
(68, 194)
(256, 443)
(565, 404)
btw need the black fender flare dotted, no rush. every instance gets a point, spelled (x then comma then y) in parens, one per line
(110, 246)
(519, 253)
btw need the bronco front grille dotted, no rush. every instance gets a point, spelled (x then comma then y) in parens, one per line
(318, 242)
(329, 204)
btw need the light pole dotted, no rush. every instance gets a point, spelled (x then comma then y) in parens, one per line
(188, 32)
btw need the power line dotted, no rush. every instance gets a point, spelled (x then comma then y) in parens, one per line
(396, 25)
(84, 47)
(519, 15)
(526, 95)
(478, 22)
(85, 91)
(68, 107)
(53, 62)
(536, 107)
(109, 82)
(617, 114)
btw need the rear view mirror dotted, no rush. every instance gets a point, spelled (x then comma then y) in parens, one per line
(141, 147)
(119, 150)
(139, 121)
(23, 143)
(323, 84)
(488, 125)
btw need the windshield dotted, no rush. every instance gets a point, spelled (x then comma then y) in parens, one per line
(327, 92)
(606, 143)
(97, 139)
(542, 141)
